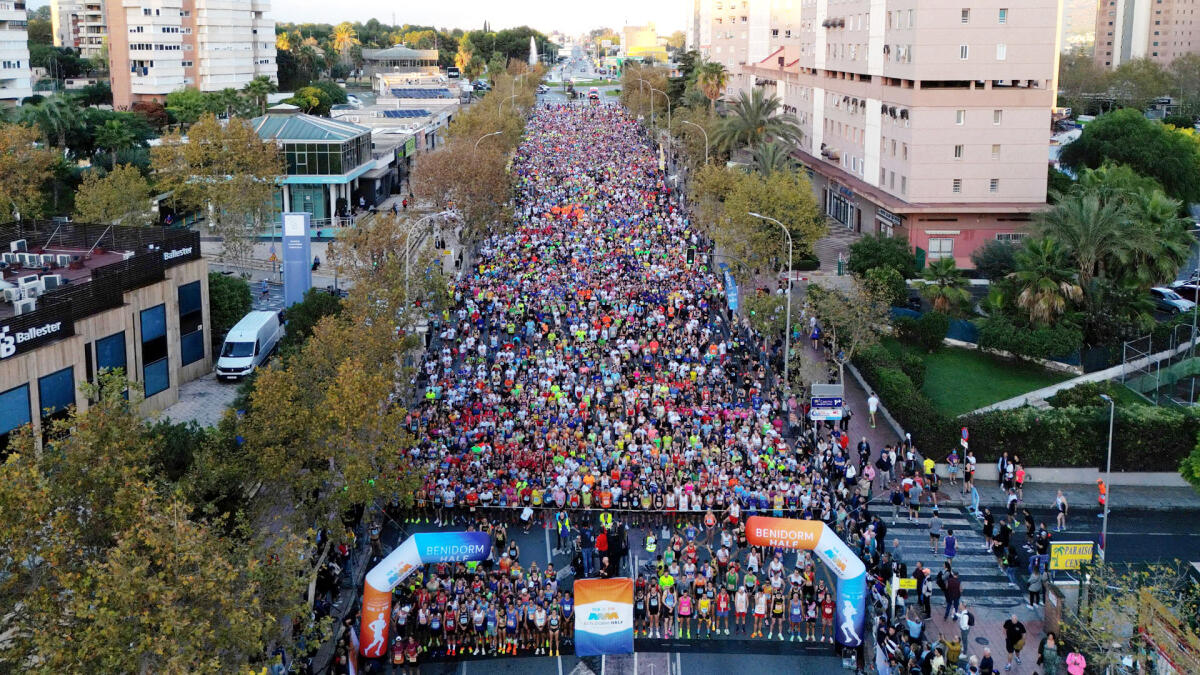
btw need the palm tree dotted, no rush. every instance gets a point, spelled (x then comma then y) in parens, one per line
(1090, 228)
(55, 117)
(343, 37)
(115, 136)
(755, 119)
(1046, 280)
(711, 77)
(1157, 240)
(258, 88)
(944, 286)
(311, 59)
(771, 157)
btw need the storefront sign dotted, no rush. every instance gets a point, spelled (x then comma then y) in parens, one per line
(1069, 555)
(410, 147)
(887, 216)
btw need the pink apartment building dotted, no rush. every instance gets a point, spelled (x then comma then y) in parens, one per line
(930, 122)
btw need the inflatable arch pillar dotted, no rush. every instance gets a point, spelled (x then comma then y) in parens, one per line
(409, 556)
(851, 573)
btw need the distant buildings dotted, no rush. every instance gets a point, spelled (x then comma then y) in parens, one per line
(15, 79)
(930, 122)
(1160, 30)
(399, 60)
(80, 24)
(160, 46)
(642, 42)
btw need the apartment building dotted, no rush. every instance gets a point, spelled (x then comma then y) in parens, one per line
(160, 46)
(1160, 30)
(928, 120)
(15, 81)
(79, 24)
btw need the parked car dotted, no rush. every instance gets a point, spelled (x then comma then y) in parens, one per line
(482, 85)
(354, 101)
(542, 89)
(1169, 301)
(1188, 289)
(248, 344)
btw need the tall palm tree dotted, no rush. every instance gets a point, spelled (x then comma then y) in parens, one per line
(114, 136)
(258, 88)
(311, 59)
(1157, 239)
(771, 157)
(343, 38)
(755, 119)
(55, 117)
(945, 288)
(711, 77)
(1046, 281)
(1089, 227)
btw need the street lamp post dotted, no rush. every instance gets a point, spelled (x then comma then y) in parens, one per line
(1192, 337)
(1112, 409)
(703, 131)
(651, 98)
(787, 337)
(406, 248)
(476, 148)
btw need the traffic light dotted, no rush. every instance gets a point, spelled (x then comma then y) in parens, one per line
(691, 256)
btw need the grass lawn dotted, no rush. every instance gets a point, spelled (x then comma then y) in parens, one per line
(961, 380)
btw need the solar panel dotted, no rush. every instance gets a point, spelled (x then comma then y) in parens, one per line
(405, 114)
(421, 93)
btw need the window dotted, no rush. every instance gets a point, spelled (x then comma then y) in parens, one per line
(903, 184)
(155, 367)
(962, 52)
(994, 185)
(958, 152)
(187, 64)
(940, 248)
(56, 393)
(960, 117)
(995, 151)
(956, 186)
(997, 116)
(110, 353)
(1001, 51)
(966, 16)
(14, 413)
(1010, 237)
(1003, 18)
(191, 324)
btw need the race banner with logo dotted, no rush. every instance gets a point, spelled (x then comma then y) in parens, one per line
(603, 616)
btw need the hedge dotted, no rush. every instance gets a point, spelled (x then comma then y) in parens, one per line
(1146, 438)
(997, 332)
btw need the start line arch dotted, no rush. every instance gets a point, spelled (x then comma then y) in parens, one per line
(419, 549)
(851, 573)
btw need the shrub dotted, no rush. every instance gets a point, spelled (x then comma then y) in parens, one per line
(914, 367)
(998, 332)
(926, 332)
(995, 259)
(879, 251)
(228, 301)
(889, 284)
(1083, 395)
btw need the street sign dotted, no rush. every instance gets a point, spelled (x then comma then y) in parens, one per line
(908, 584)
(1069, 555)
(827, 414)
(826, 401)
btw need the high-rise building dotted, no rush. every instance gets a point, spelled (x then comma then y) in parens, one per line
(15, 81)
(929, 121)
(160, 46)
(1159, 30)
(79, 24)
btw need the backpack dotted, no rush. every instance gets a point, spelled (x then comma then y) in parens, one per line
(970, 618)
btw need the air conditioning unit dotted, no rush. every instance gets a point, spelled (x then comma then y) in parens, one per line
(11, 258)
(18, 245)
(52, 281)
(12, 294)
(126, 255)
(24, 306)
(48, 259)
(30, 259)
(62, 260)
(33, 290)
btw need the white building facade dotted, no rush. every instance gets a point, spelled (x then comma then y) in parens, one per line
(15, 80)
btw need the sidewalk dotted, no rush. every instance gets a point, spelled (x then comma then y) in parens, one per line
(1083, 498)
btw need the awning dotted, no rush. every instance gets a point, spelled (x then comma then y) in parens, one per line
(377, 173)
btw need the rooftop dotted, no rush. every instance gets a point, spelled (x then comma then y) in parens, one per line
(399, 52)
(437, 92)
(285, 125)
(78, 269)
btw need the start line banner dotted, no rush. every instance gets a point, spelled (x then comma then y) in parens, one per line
(603, 616)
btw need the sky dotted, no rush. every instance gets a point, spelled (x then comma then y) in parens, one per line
(569, 16)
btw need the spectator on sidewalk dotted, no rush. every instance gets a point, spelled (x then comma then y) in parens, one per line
(966, 620)
(1014, 640)
(1048, 657)
(953, 593)
(872, 408)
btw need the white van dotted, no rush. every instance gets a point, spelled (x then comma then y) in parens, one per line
(248, 344)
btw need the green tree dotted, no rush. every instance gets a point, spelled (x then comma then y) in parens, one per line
(888, 285)
(1137, 82)
(120, 197)
(995, 259)
(1088, 226)
(945, 288)
(851, 319)
(755, 119)
(303, 316)
(115, 137)
(258, 89)
(880, 251)
(1172, 157)
(225, 171)
(55, 117)
(1046, 281)
(711, 78)
(229, 300)
(25, 168)
(186, 106)
(771, 157)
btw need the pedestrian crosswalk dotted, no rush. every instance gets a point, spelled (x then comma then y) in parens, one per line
(983, 582)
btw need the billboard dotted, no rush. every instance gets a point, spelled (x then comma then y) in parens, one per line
(603, 617)
(1070, 555)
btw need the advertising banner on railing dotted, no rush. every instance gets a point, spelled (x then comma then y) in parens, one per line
(603, 616)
